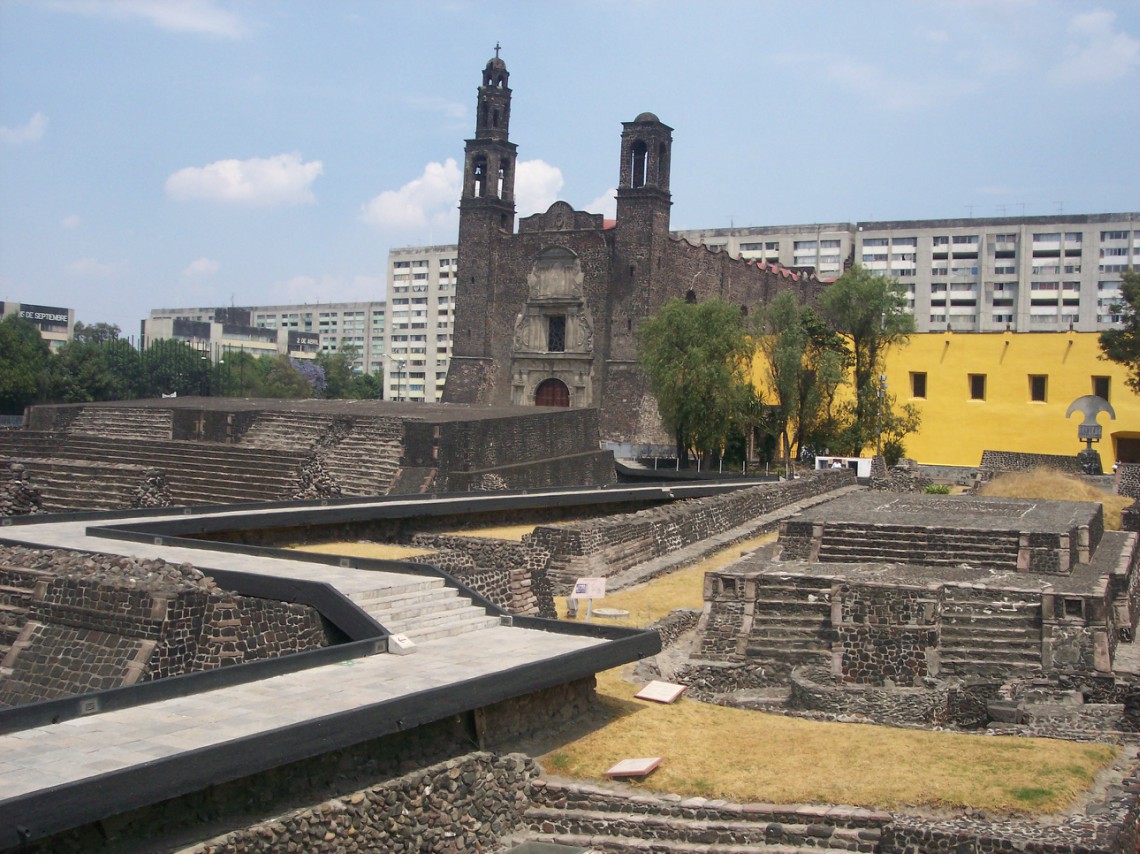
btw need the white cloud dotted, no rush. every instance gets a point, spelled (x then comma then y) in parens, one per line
(71, 221)
(90, 268)
(537, 185)
(429, 200)
(310, 289)
(29, 132)
(605, 204)
(181, 16)
(280, 180)
(1097, 51)
(202, 267)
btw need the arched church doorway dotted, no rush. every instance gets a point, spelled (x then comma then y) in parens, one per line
(552, 392)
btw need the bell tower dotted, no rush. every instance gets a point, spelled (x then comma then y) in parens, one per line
(643, 198)
(489, 160)
(486, 223)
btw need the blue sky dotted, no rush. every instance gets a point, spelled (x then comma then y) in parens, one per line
(162, 153)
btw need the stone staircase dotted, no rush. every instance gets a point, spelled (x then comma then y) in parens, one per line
(197, 473)
(855, 543)
(121, 421)
(424, 609)
(791, 623)
(998, 638)
(367, 460)
(73, 484)
(613, 821)
(292, 431)
(16, 587)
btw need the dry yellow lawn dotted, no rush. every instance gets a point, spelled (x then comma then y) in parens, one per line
(744, 756)
(378, 551)
(1056, 486)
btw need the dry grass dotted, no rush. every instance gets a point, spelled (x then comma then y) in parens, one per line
(1056, 486)
(378, 551)
(718, 752)
(684, 588)
(744, 756)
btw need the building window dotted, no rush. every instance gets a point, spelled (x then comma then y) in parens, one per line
(1100, 386)
(977, 386)
(1038, 386)
(556, 333)
(918, 384)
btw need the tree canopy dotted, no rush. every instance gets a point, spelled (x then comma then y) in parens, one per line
(1123, 345)
(24, 356)
(870, 312)
(696, 357)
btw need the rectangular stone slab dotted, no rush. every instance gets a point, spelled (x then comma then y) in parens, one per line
(634, 767)
(661, 692)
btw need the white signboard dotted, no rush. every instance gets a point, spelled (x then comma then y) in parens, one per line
(590, 588)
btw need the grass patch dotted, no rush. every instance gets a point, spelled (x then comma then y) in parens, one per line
(378, 551)
(684, 588)
(1056, 486)
(718, 752)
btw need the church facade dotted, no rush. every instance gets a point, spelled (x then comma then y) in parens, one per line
(548, 314)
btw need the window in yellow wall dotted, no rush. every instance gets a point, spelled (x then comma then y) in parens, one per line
(977, 386)
(1038, 387)
(918, 383)
(1101, 386)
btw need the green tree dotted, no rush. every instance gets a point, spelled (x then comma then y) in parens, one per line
(24, 358)
(282, 379)
(365, 387)
(94, 333)
(870, 312)
(696, 358)
(1123, 345)
(805, 363)
(339, 370)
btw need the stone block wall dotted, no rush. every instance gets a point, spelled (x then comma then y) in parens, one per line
(1128, 479)
(606, 546)
(462, 804)
(996, 461)
(110, 622)
(886, 634)
(504, 572)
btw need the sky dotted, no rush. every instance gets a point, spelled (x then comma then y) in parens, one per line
(179, 153)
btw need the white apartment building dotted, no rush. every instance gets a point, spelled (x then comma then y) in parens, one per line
(406, 340)
(421, 306)
(1027, 274)
(298, 331)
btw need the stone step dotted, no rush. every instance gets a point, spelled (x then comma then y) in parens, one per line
(419, 613)
(460, 627)
(997, 634)
(790, 606)
(654, 829)
(431, 621)
(784, 655)
(422, 588)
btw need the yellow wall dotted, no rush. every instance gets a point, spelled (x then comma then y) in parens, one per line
(955, 429)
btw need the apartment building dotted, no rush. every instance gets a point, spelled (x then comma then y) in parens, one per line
(421, 306)
(298, 331)
(55, 323)
(1024, 274)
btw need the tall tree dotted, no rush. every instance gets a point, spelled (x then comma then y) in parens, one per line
(94, 333)
(696, 357)
(870, 312)
(1123, 345)
(24, 359)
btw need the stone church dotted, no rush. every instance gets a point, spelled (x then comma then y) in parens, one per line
(548, 315)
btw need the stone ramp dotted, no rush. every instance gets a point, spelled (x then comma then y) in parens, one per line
(618, 821)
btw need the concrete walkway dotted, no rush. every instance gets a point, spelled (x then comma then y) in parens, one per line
(91, 751)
